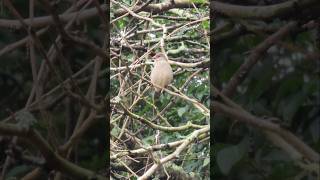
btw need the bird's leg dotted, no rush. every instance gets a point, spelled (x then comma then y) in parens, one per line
(153, 101)
(161, 90)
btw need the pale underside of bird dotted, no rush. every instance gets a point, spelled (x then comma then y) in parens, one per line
(161, 74)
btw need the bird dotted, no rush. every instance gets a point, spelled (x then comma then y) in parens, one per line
(161, 74)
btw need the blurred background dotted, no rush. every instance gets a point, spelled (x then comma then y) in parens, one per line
(53, 84)
(269, 50)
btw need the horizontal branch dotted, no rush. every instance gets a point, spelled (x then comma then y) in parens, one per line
(53, 160)
(266, 125)
(190, 139)
(261, 12)
(199, 64)
(255, 55)
(162, 7)
(48, 20)
(159, 127)
(156, 147)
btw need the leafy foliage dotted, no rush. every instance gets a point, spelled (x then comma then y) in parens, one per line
(131, 38)
(283, 84)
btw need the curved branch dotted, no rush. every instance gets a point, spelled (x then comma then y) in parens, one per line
(191, 138)
(48, 20)
(266, 126)
(53, 160)
(255, 55)
(161, 7)
(261, 12)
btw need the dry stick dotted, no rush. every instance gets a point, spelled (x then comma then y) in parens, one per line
(205, 31)
(246, 117)
(54, 48)
(36, 172)
(235, 32)
(81, 125)
(39, 46)
(173, 32)
(191, 138)
(158, 127)
(294, 141)
(161, 44)
(66, 36)
(53, 90)
(34, 76)
(10, 47)
(255, 55)
(33, 106)
(32, 54)
(162, 7)
(183, 65)
(133, 34)
(155, 24)
(204, 110)
(152, 148)
(140, 96)
(53, 160)
(36, 41)
(146, 19)
(180, 89)
(8, 161)
(89, 44)
(175, 18)
(56, 20)
(52, 51)
(22, 21)
(261, 12)
(38, 88)
(136, 10)
(122, 16)
(21, 42)
(47, 20)
(102, 16)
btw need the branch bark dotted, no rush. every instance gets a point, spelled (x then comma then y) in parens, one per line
(53, 160)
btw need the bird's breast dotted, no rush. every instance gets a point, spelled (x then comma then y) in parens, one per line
(161, 74)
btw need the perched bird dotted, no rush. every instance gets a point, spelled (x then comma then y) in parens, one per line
(161, 74)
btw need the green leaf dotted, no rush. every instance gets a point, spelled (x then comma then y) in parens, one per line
(181, 111)
(115, 131)
(18, 171)
(198, 1)
(292, 106)
(25, 118)
(148, 140)
(229, 156)
(205, 25)
(206, 162)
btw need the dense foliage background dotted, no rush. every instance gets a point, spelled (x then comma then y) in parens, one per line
(271, 55)
(53, 87)
(173, 130)
(264, 99)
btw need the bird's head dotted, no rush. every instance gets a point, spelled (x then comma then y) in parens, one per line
(159, 57)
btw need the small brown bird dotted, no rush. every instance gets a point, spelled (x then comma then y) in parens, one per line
(161, 73)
